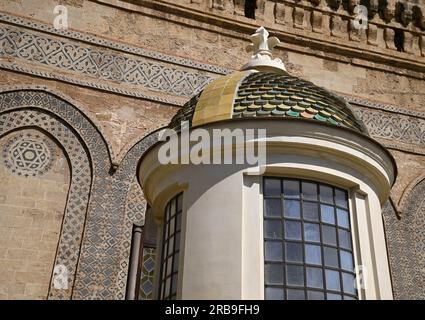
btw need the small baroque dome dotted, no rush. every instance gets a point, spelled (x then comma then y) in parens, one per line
(256, 94)
(263, 89)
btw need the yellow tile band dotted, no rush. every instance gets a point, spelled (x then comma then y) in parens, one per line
(216, 100)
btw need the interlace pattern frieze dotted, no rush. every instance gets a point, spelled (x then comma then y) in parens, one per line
(99, 64)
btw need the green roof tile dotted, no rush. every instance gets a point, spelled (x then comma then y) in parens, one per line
(278, 113)
(319, 117)
(292, 113)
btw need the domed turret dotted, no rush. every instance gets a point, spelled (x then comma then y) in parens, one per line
(263, 89)
(269, 168)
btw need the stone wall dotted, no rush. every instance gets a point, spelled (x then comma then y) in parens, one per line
(34, 175)
(129, 65)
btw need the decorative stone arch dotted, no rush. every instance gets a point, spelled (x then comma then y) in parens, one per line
(88, 156)
(406, 243)
(105, 199)
(78, 195)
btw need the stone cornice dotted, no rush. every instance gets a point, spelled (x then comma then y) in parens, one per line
(293, 39)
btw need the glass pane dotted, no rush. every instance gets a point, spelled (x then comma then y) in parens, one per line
(172, 226)
(167, 287)
(346, 260)
(273, 251)
(173, 207)
(294, 275)
(344, 239)
(309, 191)
(291, 188)
(311, 211)
(293, 230)
(272, 207)
(274, 274)
(272, 187)
(349, 298)
(170, 245)
(176, 262)
(341, 198)
(292, 209)
(326, 194)
(294, 294)
(179, 202)
(169, 265)
(177, 241)
(327, 214)
(174, 284)
(330, 257)
(165, 252)
(348, 283)
(343, 218)
(313, 254)
(274, 294)
(311, 232)
(166, 231)
(178, 221)
(329, 235)
(333, 296)
(315, 295)
(332, 280)
(314, 277)
(273, 229)
(293, 252)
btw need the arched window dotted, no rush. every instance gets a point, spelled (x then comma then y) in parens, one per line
(308, 247)
(170, 249)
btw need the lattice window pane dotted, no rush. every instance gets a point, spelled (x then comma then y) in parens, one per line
(170, 249)
(307, 241)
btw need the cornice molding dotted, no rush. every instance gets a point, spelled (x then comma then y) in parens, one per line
(293, 39)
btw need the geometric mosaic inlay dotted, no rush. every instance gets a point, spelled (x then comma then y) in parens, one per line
(28, 155)
(147, 275)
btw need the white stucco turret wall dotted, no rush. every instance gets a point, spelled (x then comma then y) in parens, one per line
(222, 226)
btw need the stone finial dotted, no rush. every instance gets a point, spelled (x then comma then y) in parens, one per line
(262, 47)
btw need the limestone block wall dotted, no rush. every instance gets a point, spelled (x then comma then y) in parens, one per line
(35, 176)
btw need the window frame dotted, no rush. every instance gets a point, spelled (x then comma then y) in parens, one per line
(166, 237)
(302, 220)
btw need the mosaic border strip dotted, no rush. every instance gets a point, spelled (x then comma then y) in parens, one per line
(53, 76)
(112, 44)
(92, 64)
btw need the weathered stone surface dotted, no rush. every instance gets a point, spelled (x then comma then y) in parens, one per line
(31, 213)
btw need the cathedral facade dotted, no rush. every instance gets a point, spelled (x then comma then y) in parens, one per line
(334, 210)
